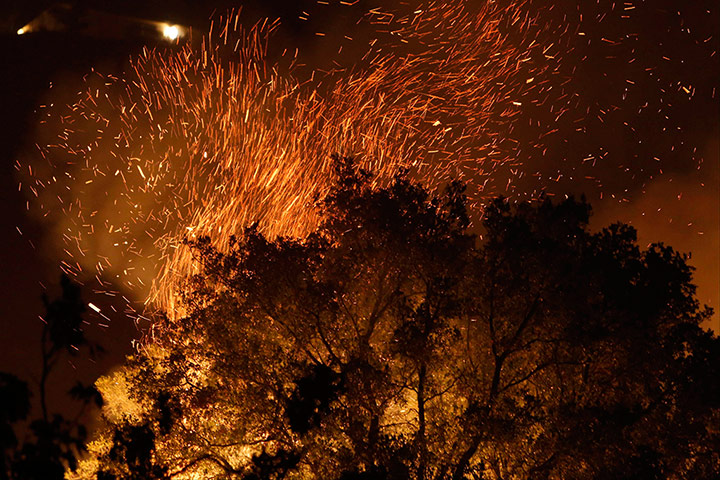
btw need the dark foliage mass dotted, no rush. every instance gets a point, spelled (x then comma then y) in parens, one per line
(392, 343)
(312, 397)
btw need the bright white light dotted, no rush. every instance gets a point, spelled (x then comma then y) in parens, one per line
(21, 31)
(171, 32)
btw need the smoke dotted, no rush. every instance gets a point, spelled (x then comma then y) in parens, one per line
(683, 211)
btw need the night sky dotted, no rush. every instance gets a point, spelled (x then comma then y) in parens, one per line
(648, 112)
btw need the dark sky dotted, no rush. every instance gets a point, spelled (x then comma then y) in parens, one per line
(676, 200)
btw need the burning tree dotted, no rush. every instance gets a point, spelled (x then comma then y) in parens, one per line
(391, 343)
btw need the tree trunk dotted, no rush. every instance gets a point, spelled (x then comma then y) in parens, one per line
(421, 441)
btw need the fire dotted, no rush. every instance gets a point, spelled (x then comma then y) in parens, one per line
(205, 140)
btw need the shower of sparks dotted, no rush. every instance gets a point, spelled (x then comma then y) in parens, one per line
(207, 139)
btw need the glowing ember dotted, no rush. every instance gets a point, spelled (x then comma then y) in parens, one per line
(171, 32)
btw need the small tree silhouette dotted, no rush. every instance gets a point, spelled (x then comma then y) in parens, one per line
(53, 442)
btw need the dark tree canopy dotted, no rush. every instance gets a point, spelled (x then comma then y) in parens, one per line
(393, 344)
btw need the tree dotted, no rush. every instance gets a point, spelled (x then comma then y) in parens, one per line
(53, 443)
(392, 343)
(14, 407)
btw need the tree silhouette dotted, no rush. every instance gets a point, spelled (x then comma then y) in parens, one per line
(53, 443)
(14, 407)
(392, 343)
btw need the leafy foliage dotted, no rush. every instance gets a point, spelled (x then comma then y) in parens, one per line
(392, 343)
